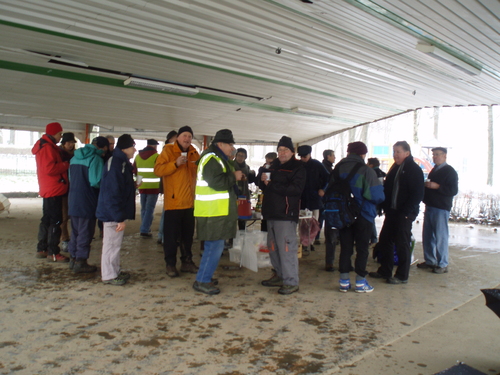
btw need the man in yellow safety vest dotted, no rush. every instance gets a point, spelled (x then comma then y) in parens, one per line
(150, 187)
(215, 206)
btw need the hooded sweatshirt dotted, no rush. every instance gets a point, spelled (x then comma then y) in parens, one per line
(85, 173)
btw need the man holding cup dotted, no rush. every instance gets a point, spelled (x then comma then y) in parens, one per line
(280, 207)
(440, 188)
(176, 165)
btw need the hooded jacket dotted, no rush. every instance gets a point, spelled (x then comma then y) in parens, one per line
(85, 174)
(117, 195)
(365, 185)
(282, 194)
(51, 170)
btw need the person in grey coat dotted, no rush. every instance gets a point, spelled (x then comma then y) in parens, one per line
(281, 207)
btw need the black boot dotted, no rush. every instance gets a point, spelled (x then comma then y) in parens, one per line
(81, 266)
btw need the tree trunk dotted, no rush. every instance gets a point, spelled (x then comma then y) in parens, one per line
(415, 126)
(489, 180)
(436, 123)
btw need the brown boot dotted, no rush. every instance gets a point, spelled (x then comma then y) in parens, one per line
(189, 266)
(172, 271)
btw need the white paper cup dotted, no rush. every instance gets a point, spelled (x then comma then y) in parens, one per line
(268, 176)
(185, 154)
(138, 180)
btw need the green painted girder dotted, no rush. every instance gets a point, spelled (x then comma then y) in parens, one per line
(232, 72)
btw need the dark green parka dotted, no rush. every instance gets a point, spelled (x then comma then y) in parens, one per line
(220, 227)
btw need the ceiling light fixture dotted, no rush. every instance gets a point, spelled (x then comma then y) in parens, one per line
(313, 112)
(162, 86)
(448, 59)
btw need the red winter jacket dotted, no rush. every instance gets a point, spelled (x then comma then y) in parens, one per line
(51, 171)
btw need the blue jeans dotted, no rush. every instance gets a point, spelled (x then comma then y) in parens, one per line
(435, 236)
(209, 260)
(148, 203)
(82, 231)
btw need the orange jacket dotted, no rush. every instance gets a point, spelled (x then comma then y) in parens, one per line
(178, 182)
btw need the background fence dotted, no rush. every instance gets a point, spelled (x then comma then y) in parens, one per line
(11, 164)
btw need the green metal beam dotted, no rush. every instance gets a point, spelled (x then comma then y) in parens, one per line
(115, 82)
(211, 67)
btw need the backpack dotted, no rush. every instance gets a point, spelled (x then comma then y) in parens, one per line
(341, 208)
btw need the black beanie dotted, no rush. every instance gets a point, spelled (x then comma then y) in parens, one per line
(242, 150)
(125, 141)
(171, 134)
(185, 129)
(224, 135)
(286, 142)
(358, 148)
(68, 137)
(304, 150)
(100, 142)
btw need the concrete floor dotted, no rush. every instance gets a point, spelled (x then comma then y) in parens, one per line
(57, 322)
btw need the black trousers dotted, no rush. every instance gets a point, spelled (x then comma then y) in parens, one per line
(242, 224)
(49, 231)
(331, 235)
(395, 232)
(178, 228)
(358, 233)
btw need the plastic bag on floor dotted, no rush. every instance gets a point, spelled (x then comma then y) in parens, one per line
(252, 242)
(308, 229)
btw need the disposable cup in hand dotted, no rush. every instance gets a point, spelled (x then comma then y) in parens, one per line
(184, 154)
(138, 180)
(268, 176)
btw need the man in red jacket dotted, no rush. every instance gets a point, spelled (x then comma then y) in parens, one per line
(52, 173)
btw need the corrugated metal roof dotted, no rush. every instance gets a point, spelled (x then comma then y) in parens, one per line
(353, 61)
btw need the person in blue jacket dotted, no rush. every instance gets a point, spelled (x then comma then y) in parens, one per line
(85, 173)
(368, 192)
(116, 205)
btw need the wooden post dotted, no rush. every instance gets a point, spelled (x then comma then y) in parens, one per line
(88, 128)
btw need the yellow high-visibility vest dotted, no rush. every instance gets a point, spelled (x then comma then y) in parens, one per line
(145, 168)
(209, 202)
